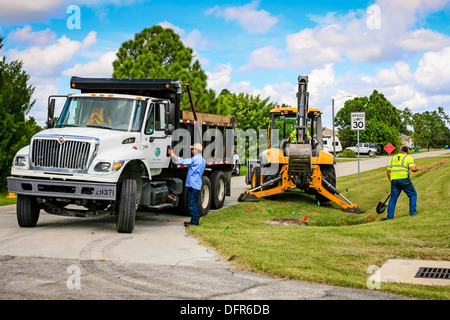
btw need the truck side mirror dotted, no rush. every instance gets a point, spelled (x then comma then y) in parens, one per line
(51, 111)
(169, 129)
(170, 113)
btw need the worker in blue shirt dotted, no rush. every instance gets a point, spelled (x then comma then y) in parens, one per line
(196, 167)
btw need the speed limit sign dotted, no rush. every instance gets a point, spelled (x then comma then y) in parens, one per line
(358, 121)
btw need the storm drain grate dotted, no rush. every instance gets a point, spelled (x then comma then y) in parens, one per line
(435, 273)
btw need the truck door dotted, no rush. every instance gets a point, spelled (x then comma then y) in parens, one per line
(155, 141)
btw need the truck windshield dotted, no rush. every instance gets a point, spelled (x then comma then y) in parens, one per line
(108, 113)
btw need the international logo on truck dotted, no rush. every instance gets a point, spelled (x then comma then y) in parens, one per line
(61, 140)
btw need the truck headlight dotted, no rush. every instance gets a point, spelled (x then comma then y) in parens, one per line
(107, 167)
(103, 166)
(20, 161)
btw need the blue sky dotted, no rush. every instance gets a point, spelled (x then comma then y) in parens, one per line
(348, 48)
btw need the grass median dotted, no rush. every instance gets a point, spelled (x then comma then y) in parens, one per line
(337, 248)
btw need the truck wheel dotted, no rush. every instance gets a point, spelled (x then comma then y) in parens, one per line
(371, 153)
(218, 189)
(127, 206)
(237, 169)
(204, 200)
(182, 206)
(255, 177)
(27, 211)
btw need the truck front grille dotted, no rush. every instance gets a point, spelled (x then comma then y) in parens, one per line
(50, 153)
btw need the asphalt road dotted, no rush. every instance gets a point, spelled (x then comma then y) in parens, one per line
(86, 259)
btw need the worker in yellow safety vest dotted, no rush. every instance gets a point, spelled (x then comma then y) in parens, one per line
(99, 116)
(293, 136)
(398, 174)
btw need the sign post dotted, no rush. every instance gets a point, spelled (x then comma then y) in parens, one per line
(358, 123)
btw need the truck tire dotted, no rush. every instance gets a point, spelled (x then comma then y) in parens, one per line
(372, 154)
(126, 214)
(237, 169)
(204, 200)
(255, 177)
(218, 189)
(182, 206)
(256, 182)
(27, 211)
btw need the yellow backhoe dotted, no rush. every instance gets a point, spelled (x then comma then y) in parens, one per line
(299, 160)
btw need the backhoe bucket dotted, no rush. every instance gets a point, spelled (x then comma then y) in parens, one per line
(248, 197)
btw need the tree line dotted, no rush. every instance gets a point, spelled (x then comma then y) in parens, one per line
(385, 123)
(158, 52)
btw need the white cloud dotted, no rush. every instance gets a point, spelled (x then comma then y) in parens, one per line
(351, 37)
(26, 10)
(416, 102)
(45, 61)
(307, 49)
(278, 92)
(220, 77)
(100, 68)
(27, 36)
(332, 18)
(265, 58)
(41, 94)
(18, 11)
(420, 40)
(248, 16)
(434, 71)
(426, 87)
(167, 25)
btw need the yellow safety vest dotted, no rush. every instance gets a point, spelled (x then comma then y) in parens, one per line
(399, 166)
(293, 136)
(99, 116)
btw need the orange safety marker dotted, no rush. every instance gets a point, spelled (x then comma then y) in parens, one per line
(11, 195)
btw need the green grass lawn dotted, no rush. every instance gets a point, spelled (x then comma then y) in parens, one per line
(336, 248)
(4, 200)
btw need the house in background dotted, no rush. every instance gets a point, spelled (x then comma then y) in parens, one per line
(406, 140)
(329, 132)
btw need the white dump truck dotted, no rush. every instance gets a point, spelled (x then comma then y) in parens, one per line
(107, 153)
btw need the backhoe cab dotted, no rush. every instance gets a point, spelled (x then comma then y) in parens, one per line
(299, 160)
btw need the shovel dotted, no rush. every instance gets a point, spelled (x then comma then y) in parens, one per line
(382, 205)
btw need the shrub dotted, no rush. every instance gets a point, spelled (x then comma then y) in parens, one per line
(348, 154)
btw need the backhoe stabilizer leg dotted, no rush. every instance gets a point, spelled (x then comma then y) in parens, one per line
(347, 207)
(253, 195)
